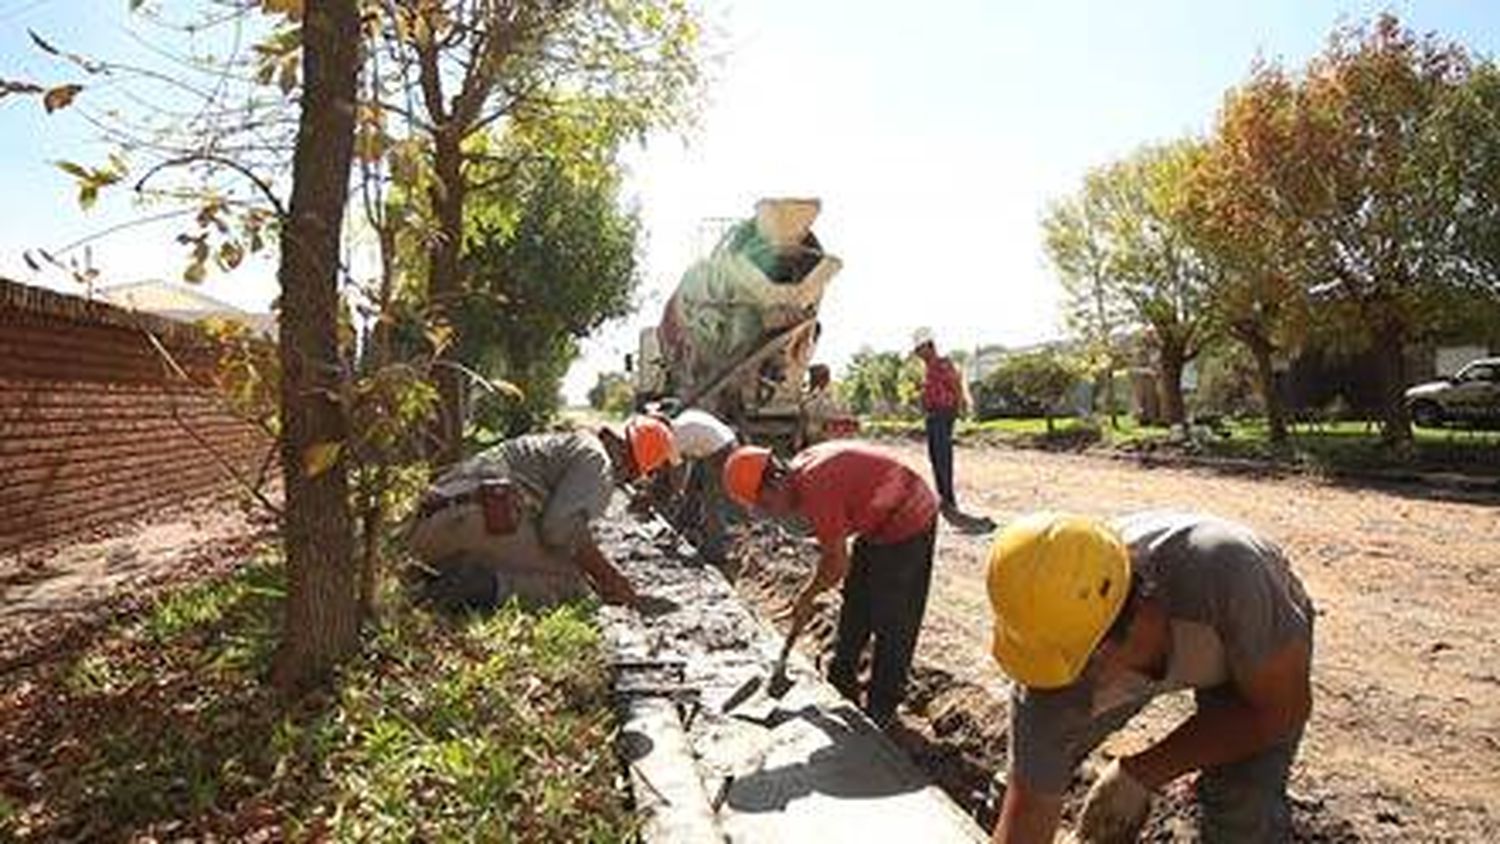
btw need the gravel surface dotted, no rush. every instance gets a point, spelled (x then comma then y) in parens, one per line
(1404, 742)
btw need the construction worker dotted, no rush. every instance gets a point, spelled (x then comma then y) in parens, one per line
(1093, 619)
(944, 399)
(819, 405)
(514, 519)
(704, 441)
(850, 489)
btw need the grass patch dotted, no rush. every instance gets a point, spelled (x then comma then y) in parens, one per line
(489, 728)
(1066, 432)
(1331, 447)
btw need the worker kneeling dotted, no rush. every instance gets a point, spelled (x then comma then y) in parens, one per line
(514, 520)
(1093, 619)
(849, 489)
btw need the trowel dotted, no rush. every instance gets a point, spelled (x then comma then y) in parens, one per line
(777, 684)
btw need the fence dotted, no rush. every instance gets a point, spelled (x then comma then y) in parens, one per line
(97, 427)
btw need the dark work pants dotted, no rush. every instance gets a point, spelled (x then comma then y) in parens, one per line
(940, 452)
(885, 595)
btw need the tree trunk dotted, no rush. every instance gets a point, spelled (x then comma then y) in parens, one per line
(1102, 327)
(1105, 386)
(321, 624)
(445, 281)
(1395, 416)
(1171, 360)
(371, 497)
(1265, 374)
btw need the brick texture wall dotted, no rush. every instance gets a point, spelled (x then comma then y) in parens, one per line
(94, 426)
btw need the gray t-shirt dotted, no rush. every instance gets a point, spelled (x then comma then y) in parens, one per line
(1231, 600)
(570, 473)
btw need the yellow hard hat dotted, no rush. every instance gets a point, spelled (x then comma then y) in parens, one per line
(1056, 583)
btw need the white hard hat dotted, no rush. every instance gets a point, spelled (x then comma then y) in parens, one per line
(920, 336)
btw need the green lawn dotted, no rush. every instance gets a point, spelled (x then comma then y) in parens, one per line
(481, 729)
(967, 428)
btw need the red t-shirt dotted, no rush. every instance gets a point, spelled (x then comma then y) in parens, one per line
(846, 487)
(941, 389)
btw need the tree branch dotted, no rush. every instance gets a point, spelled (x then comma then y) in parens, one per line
(228, 467)
(209, 158)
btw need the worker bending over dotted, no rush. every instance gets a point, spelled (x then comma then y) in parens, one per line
(848, 489)
(1093, 619)
(514, 520)
(703, 442)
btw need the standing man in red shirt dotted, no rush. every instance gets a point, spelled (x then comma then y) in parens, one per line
(851, 489)
(943, 400)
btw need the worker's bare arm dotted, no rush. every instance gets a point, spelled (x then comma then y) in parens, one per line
(833, 565)
(607, 579)
(1274, 700)
(1027, 816)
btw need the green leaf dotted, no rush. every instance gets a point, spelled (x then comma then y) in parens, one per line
(77, 171)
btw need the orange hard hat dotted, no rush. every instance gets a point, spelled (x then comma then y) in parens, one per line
(651, 444)
(744, 470)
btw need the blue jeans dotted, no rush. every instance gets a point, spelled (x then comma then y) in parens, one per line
(940, 452)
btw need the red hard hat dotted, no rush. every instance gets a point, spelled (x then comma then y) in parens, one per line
(651, 444)
(744, 470)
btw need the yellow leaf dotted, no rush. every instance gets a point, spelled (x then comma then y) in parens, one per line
(369, 145)
(60, 97)
(290, 8)
(230, 254)
(320, 457)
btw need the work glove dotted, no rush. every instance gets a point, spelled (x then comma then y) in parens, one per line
(1116, 808)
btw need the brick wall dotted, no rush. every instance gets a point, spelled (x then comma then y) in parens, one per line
(94, 428)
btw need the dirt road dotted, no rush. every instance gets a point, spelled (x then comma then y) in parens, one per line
(49, 596)
(1404, 742)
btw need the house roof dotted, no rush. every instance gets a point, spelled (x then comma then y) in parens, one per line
(155, 296)
(180, 302)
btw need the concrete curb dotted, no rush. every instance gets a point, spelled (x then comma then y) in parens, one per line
(809, 767)
(668, 794)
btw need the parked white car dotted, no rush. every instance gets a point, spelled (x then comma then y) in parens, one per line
(1471, 395)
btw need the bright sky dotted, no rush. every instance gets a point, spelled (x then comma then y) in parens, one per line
(935, 133)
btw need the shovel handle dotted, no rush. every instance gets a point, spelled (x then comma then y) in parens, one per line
(786, 647)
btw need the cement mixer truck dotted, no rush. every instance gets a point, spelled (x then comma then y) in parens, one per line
(737, 336)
